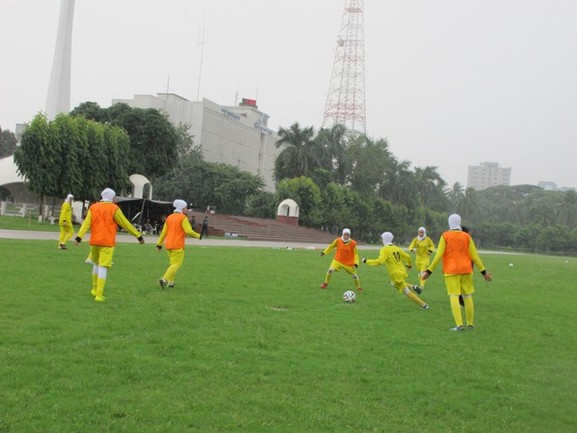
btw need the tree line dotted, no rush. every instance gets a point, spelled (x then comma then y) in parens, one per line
(338, 178)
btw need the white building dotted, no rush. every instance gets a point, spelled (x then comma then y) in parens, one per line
(488, 174)
(235, 135)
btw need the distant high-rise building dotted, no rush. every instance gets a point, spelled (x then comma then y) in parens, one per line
(58, 100)
(346, 98)
(488, 174)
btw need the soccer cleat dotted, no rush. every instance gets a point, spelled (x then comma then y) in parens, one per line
(359, 289)
(170, 284)
(100, 299)
(470, 327)
(417, 289)
(62, 247)
(425, 307)
(457, 328)
(324, 285)
(162, 283)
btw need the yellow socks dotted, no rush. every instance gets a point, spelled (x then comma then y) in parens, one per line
(456, 310)
(469, 310)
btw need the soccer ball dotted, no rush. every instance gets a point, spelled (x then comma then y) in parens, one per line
(349, 296)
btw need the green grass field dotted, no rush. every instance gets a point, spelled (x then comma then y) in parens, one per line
(247, 342)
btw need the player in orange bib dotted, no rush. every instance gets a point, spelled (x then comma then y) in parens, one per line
(458, 252)
(346, 257)
(174, 232)
(103, 219)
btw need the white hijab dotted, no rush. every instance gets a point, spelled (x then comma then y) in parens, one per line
(424, 230)
(347, 231)
(179, 205)
(107, 195)
(455, 222)
(387, 238)
(69, 198)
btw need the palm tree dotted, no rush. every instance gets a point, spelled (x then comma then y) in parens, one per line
(301, 155)
(567, 209)
(334, 141)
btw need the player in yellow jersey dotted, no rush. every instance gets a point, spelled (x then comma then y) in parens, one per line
(396, 260)
(423, 246)
(65, 222)
(346, 257)
(174, 232)
(458, 252)
(103, 219)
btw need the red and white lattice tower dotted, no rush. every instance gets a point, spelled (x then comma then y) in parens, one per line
(346, 97)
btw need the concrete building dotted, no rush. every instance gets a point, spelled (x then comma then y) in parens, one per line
(488, 174)
(234, 135)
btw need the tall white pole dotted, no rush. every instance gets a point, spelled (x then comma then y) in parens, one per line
(58, 100)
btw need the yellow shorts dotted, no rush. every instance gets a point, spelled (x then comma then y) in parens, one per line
(422, 264)
(459, 284)
(176, 257)
(102, 256)
(337, 266)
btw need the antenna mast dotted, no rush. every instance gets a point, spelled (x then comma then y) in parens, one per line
(201, 43)
(346, 97)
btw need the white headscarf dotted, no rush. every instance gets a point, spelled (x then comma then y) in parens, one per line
(387, 238)
(107, 195)
(179, 205)
(69, 198)
(347, 231)
(424, 233)
(455, 222)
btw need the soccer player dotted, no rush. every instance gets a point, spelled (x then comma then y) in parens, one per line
(396, 260)
(65, 222)
(103, 219)
(346, 257)
(174, 231)
(458, 252)
(424, 247)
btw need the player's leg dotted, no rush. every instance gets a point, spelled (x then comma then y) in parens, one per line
(176, 259)
(332, 268)
(405, 290)
(68, 232)
(104, 261)
(467, 290)
(453, 283)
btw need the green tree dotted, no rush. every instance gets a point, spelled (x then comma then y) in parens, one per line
(301, 155)
(153, 139)
(38, 158)
(567, 210)
(8, 142)
(308, 196)
(336, 161)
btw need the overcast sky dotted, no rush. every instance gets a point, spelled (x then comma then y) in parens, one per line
(449, 83)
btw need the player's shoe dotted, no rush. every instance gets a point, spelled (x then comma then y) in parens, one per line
(324, 285)
(425, 307)
(417, 289)
(162, 283)
(171, 284)
(470, 327)
(359, 289)
(100, 299)
(457, 328)
(62, 247)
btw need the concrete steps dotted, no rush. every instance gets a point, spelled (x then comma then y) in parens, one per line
(258, 229)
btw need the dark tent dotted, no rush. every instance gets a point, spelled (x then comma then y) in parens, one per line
(146, 215)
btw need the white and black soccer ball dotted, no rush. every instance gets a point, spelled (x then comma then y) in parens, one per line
(349, 296)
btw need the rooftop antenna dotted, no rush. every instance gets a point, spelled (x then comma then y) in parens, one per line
(201, 42)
